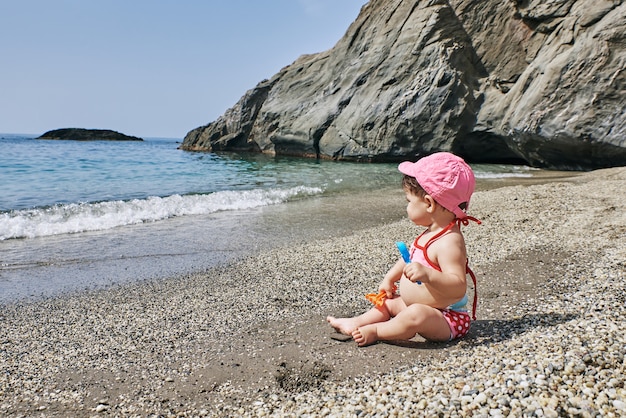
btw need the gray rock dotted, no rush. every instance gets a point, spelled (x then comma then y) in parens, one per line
(80, 134)
(533, 82)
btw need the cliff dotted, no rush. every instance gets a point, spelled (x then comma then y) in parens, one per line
(518, 81)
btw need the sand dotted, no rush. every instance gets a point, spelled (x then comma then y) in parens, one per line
(250, 338)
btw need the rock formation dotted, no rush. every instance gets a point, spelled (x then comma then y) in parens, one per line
(80, 134)
(542, 83)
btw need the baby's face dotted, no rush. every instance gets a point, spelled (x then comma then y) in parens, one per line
(417, 208)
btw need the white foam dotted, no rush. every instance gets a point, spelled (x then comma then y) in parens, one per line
(82, 217)
(502, 175)
(494, 171)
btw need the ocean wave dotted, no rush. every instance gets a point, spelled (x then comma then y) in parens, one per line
(487, 176)
(498, 171)
(83, 217)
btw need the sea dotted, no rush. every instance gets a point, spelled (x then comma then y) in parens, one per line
(85, 215)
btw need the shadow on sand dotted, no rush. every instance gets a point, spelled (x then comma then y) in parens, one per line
(490, 331)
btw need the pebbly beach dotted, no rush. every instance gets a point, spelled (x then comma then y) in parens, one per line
(249, 338)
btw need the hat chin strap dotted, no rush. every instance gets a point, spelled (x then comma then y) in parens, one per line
(466, 220)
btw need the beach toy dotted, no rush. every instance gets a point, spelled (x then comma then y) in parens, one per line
(378, 298)
(404, 251)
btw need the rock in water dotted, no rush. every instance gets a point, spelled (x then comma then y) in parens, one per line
(79, 134)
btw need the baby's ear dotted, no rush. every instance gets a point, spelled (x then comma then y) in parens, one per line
(432, 203)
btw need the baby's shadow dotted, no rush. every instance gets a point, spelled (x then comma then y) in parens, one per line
(489, 331)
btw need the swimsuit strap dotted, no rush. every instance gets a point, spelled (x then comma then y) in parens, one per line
(433, 239)
(473, 276)
(465, 221)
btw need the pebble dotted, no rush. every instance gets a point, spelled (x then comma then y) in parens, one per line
(563, 352)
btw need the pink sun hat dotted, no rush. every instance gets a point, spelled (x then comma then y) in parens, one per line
(446, 178)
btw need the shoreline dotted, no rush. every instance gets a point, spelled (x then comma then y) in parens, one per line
(249, 338)
(55, 265)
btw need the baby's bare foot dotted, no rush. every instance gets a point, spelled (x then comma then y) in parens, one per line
(344, 325)
(365, 335)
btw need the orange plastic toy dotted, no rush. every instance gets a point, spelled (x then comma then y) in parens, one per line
(378, 298)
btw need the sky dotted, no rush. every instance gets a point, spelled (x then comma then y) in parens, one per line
(149, 68)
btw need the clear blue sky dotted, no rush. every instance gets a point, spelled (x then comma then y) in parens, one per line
(150, 68)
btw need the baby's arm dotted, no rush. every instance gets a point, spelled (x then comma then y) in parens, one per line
(393, 275)
(449, 254)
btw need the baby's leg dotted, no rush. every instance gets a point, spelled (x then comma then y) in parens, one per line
(415, 319)
(366, 335)
(348, 325)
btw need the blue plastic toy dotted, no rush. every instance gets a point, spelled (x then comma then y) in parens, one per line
(404, 252)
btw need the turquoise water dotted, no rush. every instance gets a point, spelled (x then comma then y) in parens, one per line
(56, 187)
(84, 215)
(61, 187)
(37, 173)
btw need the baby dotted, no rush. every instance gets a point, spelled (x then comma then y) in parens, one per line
(432, 287)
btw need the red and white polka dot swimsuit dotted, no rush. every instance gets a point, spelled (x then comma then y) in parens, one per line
(458, 321)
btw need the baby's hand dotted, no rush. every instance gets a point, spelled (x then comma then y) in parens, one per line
(416, 273)
(388, 288)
